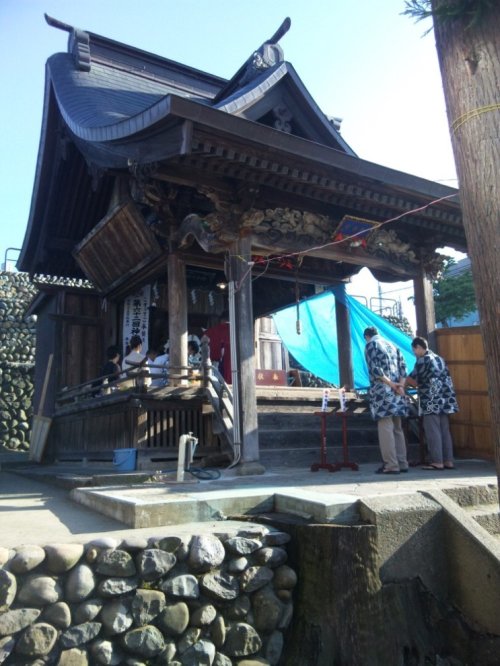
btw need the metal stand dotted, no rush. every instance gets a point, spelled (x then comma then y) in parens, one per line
(323, 464)
(422, 448)
(345, 452)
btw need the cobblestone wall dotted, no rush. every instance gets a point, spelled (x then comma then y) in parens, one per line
(185, 601)
(17, 358)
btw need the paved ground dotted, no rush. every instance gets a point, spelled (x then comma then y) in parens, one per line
(35, 511)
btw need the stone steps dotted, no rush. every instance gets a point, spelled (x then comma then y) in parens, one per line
(488, 517)
(290, 430)
(481, 503)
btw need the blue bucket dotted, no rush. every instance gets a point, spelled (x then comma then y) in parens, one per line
(124, 460)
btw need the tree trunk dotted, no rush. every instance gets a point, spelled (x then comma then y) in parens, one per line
(469, 58)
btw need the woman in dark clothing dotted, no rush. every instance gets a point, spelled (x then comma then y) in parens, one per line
(111, 369)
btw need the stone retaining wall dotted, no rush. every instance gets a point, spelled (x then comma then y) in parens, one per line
(17, 359)
(185, 601)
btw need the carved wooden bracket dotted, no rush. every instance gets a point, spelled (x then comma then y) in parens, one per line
(283, 118)
(207, 231)
(385, 243)
(433, 264)
(281, 226)
(300, 231)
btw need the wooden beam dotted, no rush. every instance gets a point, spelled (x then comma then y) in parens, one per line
(336, 253)
(241, 274)
(178, 320)
(344, 349)
(424, 307)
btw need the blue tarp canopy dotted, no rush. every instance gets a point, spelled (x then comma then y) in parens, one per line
(315, 348)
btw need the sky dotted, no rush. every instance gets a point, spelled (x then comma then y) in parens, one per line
(361, 60)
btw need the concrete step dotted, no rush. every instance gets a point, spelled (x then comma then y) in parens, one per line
(300, 438)
(290, 430)
(306, 456)
(474, 496)
(308, 419)
(299, 423)
(481, 502)
(487, 516)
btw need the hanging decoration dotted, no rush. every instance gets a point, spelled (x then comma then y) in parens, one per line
(136, 315)
(299, 261)
(280, 262)
(354, 231)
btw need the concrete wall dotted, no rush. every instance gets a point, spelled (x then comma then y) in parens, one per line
(430, 536)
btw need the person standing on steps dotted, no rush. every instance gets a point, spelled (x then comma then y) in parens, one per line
(133, 364)
(387, 371)
(437, 400)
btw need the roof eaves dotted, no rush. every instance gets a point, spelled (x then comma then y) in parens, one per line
(305, 149)
(40, 169)
(121, 129)
(319, 113)
(246, 96)
(256, 89)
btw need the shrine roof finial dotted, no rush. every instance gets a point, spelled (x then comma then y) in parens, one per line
(267, 55)
(78, 42)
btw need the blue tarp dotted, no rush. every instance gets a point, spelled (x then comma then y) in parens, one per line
(315, 348)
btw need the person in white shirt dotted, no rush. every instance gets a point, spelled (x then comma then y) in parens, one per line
(159, 375)
(132, 363)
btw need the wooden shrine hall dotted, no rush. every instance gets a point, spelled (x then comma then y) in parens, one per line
(156, 178)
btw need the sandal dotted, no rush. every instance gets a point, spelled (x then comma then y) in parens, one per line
(382, 470)
(436, 468)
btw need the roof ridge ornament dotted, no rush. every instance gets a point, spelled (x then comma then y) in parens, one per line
(267, 55)
(78, 43)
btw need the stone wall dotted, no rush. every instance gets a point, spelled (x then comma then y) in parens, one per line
(17, 359)
(185, 601)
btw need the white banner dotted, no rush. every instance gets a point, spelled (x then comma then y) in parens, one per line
(136, 316)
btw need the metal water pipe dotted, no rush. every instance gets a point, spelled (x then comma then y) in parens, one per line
(187, 447)
(234, 369)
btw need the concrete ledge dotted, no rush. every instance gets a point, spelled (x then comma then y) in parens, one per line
(473, 565)
(429, 535)
(151, 506)
(473, 495)
(342, 509)
(141, 507)
(409, 537)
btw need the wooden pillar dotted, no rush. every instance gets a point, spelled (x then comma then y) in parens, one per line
(344, 348)
(241, 274)
(177, 317)
(424, 307)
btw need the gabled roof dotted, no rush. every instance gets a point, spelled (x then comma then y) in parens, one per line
(281, 92)
(121, 91)
(111, 109)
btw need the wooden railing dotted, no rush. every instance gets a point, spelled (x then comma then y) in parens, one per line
(151, 423)
(96, 417)
(135, 380)
(92, 426)
(220, 396)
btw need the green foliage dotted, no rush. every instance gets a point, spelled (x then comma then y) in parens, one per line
(471, 12)
(454, 297)
(399, 322)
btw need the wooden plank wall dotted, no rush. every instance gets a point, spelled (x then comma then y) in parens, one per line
(462, 348)
(153, 427)
(269, 352)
